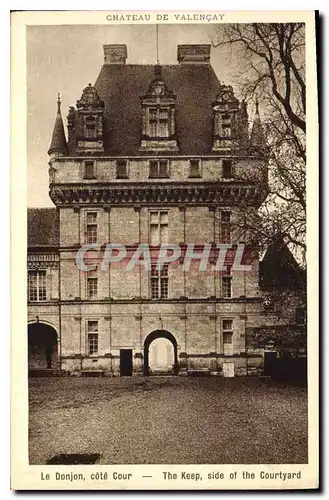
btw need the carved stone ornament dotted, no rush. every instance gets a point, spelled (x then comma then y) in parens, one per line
(159, 88)
(150, 194)
(226, 94)
(90, 99)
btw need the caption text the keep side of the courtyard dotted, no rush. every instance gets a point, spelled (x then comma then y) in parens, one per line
(173, 476)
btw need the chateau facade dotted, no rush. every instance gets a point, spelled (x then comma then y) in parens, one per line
(154, 155)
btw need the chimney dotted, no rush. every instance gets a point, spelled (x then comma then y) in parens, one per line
(115, 54)
(193, 54)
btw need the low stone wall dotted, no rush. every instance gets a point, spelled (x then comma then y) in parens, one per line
(212, 364)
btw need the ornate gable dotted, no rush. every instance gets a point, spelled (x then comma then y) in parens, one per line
(89, 126)
(158, 117)
(225, 108)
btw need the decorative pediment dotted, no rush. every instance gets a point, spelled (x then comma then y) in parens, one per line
(90, 99)
(159, 88)
(225, 94)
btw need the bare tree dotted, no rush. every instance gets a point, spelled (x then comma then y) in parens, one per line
(272, 67)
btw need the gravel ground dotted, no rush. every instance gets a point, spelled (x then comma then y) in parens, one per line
(168, 420)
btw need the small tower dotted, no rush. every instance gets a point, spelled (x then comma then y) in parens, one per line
(225, 109)
(89, 126)
(58, 146)
(257, 136)
(158, 116)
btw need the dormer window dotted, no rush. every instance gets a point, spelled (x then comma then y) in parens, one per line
(88, 124)
(158, 117)
(225, 108)
(122, 169)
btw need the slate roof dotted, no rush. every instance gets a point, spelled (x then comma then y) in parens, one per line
(58, 140)
(279, 269)
(122, 86)
(42, 227)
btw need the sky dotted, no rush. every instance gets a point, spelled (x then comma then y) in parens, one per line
(65, 58)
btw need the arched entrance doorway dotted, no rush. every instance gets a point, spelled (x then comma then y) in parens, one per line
(42, 346)
(164, 358)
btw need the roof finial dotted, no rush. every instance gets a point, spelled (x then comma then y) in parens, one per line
(58, 144)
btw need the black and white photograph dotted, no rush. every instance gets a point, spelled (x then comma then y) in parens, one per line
(167, 257)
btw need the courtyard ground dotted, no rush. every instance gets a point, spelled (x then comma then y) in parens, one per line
(168, 420)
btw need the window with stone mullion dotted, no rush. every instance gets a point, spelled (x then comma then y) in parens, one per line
(159, 282)
(159, 122)
(92, 337)
(37, 287)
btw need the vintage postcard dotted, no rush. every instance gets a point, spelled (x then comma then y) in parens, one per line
(164, 250)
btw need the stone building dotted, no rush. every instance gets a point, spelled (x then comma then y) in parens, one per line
(154, 155)
(281, 334)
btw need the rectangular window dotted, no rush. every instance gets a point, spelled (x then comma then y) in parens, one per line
(89, 170)
(195, 170)
(92, 285)
(163, 168)
(92, 337)
(163, 114)
(153, 169)
(159, 282)
(225, 227)
(121, 169)
(227, 169)
(159, 122)
(153, 122)
(37, 289)
(163, 130)
(90, 128)
(227, 284)
(227, 329)
(91, 229)
(159, 231)
(159, 168)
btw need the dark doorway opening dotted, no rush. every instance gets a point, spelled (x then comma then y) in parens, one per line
(270, 363)
(157, 334)
(42, 347)
(126, 362)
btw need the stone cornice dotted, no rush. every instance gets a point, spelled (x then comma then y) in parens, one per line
(212, 155)
(201, 193)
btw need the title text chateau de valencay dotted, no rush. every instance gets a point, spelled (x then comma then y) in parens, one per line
(154, 155)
